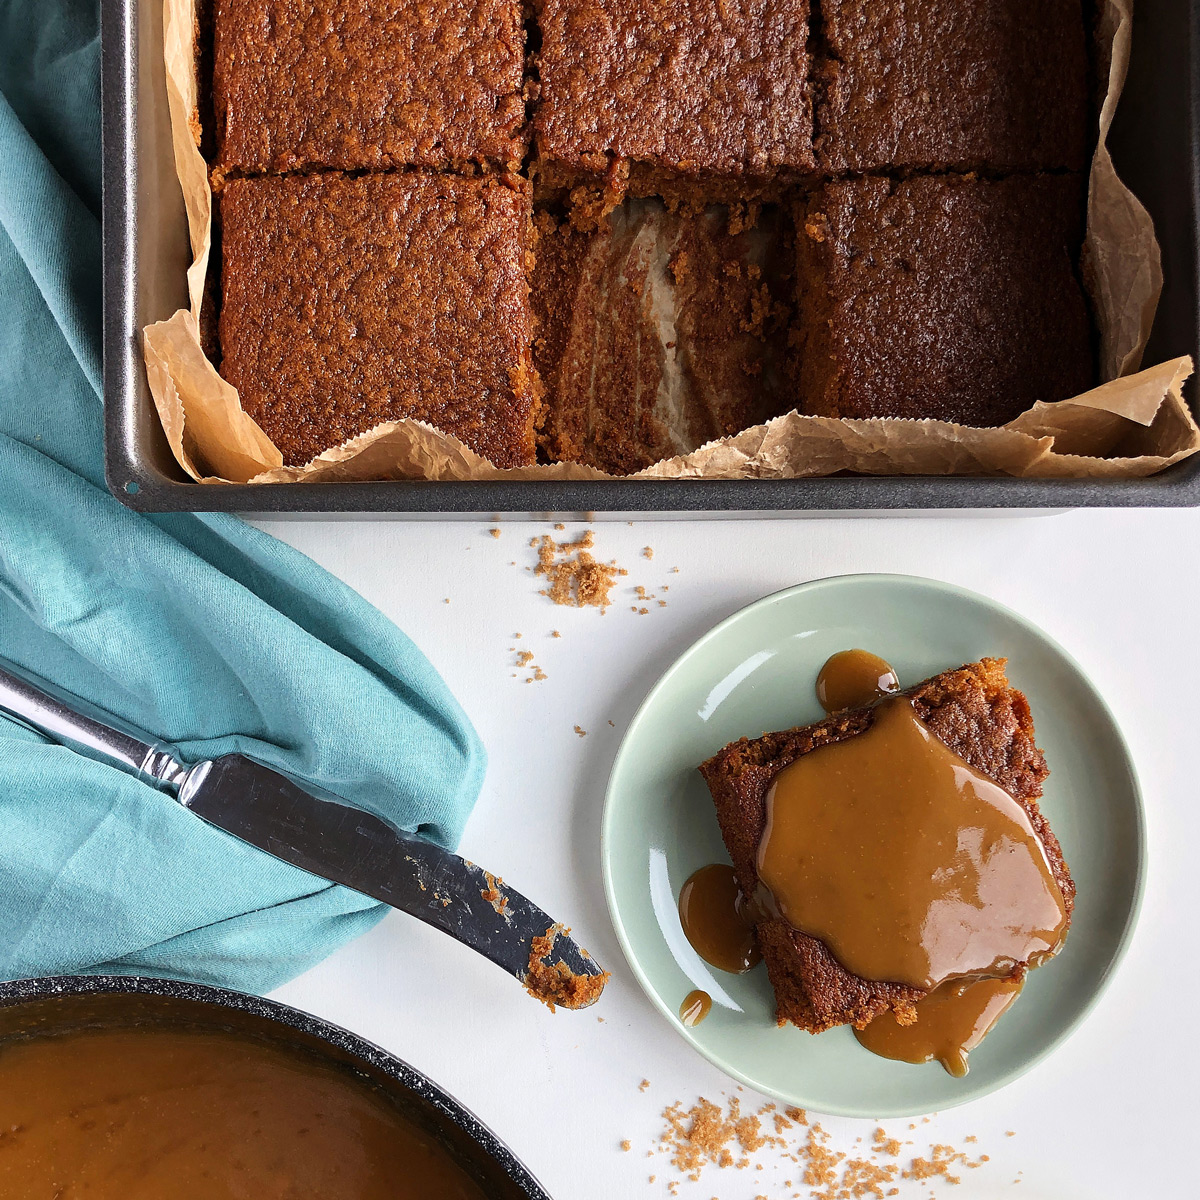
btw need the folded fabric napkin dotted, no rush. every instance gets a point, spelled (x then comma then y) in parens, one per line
(199, 629)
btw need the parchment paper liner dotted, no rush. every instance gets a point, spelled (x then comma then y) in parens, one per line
(1134, 425)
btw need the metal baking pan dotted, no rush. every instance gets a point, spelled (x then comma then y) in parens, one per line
(1153, 141)
(68, 1003)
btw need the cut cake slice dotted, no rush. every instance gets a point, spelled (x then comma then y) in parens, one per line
(973, 710)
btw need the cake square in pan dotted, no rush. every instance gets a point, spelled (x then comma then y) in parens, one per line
(683, 93)
(951, 297)
(660, 331)
(973, 710)
(368, 84)
(951, 83)
(349, 301)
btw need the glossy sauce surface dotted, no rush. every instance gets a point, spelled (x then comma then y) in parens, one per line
(854, 679)
(695, 1007)
(149, 1114)
(911, 867)
(951, 1021)
(714, 918)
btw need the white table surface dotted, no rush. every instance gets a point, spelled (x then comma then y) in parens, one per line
(1110, 1114)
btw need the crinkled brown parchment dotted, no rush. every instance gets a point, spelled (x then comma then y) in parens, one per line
(1134, 425)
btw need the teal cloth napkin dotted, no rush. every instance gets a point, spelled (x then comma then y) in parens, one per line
(199, 629)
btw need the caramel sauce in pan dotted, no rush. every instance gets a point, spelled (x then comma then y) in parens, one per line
(909, 865)
(712, 912)
(854, 679)
(951, 1021)
(695, 1007)
(153, 1113)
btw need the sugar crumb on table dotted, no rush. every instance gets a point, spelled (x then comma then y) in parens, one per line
(709, 1134)
(575, 577)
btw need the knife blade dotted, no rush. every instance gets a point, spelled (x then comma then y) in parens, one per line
(323, 835)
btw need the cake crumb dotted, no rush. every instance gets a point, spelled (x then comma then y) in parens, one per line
(575, 577)
(710, 1134)
(560, 527)
(558, 986)
(581, 732)
(447, 600)
(494, 532)
(643, 1085)
(648, 552)
(494, 894)
(627, 1145)
(555, 633)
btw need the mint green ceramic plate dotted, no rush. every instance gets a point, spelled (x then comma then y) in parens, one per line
(756, 672)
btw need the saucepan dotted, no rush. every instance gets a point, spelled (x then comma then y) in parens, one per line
(34, 1008)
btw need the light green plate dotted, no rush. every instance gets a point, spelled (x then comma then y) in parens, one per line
(756, 672)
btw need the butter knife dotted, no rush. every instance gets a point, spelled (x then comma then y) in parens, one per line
(322, 835)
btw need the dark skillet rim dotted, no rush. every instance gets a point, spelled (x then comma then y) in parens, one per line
(16, 991)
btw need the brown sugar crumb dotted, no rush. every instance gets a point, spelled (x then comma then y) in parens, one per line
(708, 1134)
(939, 1163)
(558, 986)
(524, 658)
(494, 532)
(891, 1145)
(648, 552)
(576, 578)
(581, 732)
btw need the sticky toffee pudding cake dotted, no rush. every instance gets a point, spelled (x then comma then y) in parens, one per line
(611, 231)
(874, 866)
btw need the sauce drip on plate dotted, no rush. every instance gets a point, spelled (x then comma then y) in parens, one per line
(695, 1007)
(854, 679)
(713, 913)
(951, 1021)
